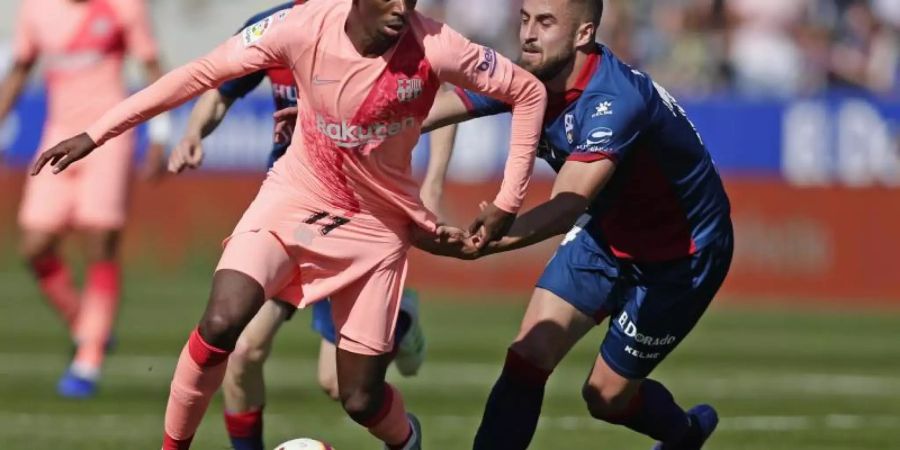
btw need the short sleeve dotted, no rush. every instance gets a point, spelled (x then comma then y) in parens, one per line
(479, 105)
(609, 127)
(239, 87)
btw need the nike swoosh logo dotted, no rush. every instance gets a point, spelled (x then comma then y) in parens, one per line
(318, 81)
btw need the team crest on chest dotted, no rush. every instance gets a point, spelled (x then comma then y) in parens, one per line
(408, 89)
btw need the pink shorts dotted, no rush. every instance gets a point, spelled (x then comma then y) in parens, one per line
(92, 193)
(301, 255)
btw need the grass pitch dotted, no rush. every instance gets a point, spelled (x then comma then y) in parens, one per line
(781, 378)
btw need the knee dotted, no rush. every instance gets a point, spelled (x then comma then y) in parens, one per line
(360, 404)
(220, 326)
(607, 403)
(216, 328)
(249, 353)
(538, 353)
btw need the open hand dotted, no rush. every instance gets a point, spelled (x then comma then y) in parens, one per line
(65, 153)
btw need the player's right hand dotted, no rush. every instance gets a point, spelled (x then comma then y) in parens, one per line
(445, 241)
(65, 153)
(188, 154)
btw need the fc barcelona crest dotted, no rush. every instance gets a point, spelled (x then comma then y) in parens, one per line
(408, 89)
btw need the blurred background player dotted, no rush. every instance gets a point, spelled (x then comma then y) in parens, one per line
(244, 385)
(81, 45)
(336, 216)
(651, 246)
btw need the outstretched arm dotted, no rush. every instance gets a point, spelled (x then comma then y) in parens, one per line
(482, 70)
(448, 109)
(441, 150)
(576, 186)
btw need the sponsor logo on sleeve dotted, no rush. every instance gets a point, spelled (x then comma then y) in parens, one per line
(597, 141)
(603, 108)
(488, 61)
(569, 120)
(255, 32)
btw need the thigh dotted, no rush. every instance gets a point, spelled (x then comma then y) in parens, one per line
(365, 311)
(584, 273)
(550, 328)
(103, 188)
(262, 257)
(261, 330)
(662, 306)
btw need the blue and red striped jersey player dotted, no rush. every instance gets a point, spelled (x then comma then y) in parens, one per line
(244, 386)
(649, 237)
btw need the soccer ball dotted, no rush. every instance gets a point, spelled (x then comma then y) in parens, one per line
(304, 444)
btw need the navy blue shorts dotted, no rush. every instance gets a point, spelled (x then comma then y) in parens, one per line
(652, 306)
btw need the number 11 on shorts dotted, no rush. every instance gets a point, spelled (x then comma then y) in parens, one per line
(328, 227)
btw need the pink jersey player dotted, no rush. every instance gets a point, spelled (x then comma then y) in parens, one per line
(333, 218)
(81, 45)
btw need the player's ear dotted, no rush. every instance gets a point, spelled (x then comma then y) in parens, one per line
(585, 34)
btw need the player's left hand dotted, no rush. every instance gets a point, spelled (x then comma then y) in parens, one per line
(65, 153)
(492, 224)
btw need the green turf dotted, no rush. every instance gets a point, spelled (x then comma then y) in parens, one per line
(781, 379)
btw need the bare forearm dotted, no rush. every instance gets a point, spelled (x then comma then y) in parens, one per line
(208, 113)
(448, 109)
(442, 141)
(550, 219)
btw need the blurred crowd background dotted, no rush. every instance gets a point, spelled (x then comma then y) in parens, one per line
(756, 48)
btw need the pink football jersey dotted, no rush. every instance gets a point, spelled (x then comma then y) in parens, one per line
(82, 45)
(359, 117)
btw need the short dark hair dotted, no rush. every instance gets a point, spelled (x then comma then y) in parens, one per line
(589, 10)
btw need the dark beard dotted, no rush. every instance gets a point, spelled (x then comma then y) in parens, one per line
(551, 69)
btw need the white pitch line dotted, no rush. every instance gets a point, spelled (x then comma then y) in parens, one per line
(449, 375)
(107, 424)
